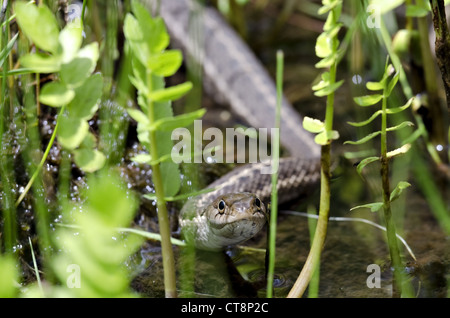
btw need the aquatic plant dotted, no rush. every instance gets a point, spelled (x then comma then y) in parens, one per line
(327, 48)
(147, 40)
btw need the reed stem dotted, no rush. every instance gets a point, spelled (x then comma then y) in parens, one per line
(275, 162)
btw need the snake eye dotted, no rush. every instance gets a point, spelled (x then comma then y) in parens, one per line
(221, 206)
(258, 203)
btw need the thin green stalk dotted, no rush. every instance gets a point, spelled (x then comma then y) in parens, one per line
(313, 258)
(41, 163)
(163, 218)
(321, 230)
(313, 290)
(274, 193)
(399, 288)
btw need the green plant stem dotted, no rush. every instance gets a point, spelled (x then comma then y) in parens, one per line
(274, 194)
(313, 289)
(399, 286)
(324, 209)
(163, 218)
(321, 230)
(41, 163)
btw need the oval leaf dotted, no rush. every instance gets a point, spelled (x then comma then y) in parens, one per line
(40, 63)
(89, 160)
(87, 97)
(313, 125)
(56, 94)
(72, 132)
(39, 24)
(166, 63)
(368, 100)
(327, 90)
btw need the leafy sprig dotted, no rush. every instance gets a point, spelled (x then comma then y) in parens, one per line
(386, 86)
(76, 90)
(147, 41)
(327, 48)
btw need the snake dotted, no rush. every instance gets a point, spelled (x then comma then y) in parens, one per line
(236, 211)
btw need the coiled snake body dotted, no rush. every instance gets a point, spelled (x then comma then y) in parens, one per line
(235, 211)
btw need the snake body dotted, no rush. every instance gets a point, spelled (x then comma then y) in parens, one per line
(235, 211)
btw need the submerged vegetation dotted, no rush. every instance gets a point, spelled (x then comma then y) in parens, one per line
(92, 92)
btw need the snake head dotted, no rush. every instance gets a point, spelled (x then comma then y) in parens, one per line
(235, 217)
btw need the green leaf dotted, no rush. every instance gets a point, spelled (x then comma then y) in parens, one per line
(153, 29)
(171, 178)
(321, 138)
(374, 207)
(138, 116)
(5, 52)
(323, 45)
(89, 160)
(400, 126)
(70, 40)
(56, 94)
(41, 63)
(417, 11)
(39, 24)
(72, 132)
(139, 84)
(401, 108)
(364, 163)
(402, 185)
(365, 122)
(74, 73)
(364, 139)
(90, 52)
(375, 86)
(135, 38)
(386, 5)
(171, 93)
(142, 158)
(329, 89)
(368, 100)
(392, 84)
(166, 63)
(333, 135)
(330, 5)
(171, 123)
(89, 141)
(327, 61)
(313, 125)
(87, 97)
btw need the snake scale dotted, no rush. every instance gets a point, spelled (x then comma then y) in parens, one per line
(235, 211)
